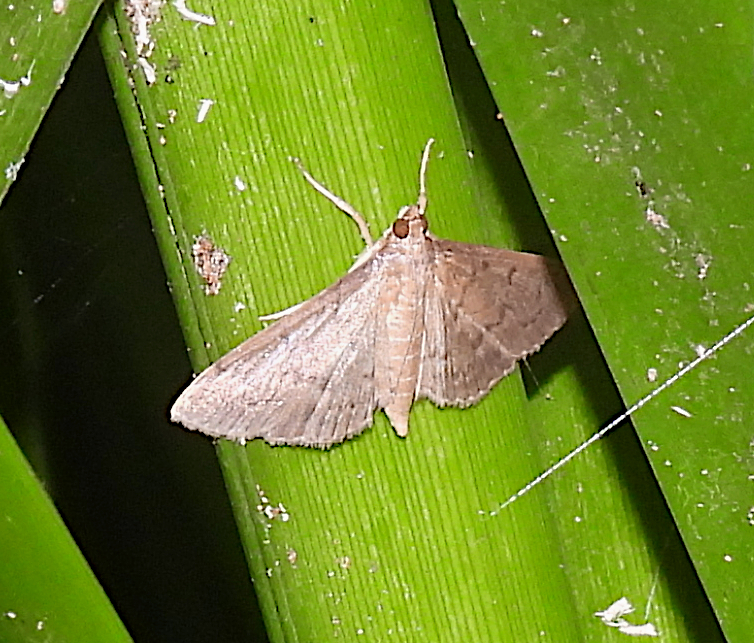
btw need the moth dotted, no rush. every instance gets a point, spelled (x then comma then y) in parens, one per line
(415, 317)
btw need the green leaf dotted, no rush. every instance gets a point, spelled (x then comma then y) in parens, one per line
(389, 536)
(37, 45)
(47, 591)
(92, 356)
(635, 127)
(382, 531)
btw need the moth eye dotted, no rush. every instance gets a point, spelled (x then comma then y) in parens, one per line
(400, 228)
(423, 220)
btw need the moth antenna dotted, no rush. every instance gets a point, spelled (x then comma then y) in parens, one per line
(421, 202)
(626, 414)
(339, 203)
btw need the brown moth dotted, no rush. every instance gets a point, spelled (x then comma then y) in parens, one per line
(415, 317)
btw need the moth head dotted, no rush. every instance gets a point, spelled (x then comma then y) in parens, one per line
(410, 222)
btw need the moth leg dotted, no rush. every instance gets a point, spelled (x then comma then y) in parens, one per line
(338, 202)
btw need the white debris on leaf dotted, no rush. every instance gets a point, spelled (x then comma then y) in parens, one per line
(11, 171)
(204, 106)
(703, 262)
(11, 87)
(143, 14)
(193, 16)
(648, 629)
(150, 74)
(271, 512)
(655, 218)
(619, 608)
(681, 411)
(276, 513)
(613, 615)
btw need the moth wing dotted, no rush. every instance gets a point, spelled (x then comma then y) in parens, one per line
(308, 379)
(486, 308)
